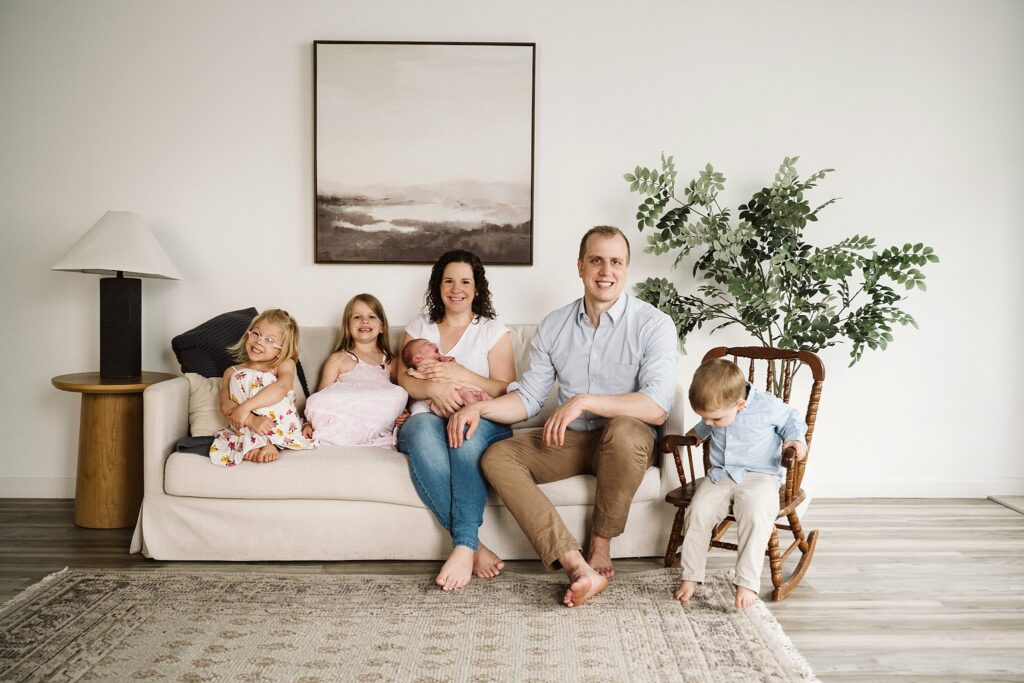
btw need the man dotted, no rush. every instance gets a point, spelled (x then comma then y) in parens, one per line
(614, 357)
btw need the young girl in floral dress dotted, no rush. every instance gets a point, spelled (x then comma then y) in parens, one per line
(359, 402)
(257, 395)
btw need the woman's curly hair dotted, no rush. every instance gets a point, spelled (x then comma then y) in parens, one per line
(482, 306)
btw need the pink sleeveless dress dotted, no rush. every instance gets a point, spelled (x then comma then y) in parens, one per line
(358, 409)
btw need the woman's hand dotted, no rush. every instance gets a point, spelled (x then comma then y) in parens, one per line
(445, 372)
(444, 398)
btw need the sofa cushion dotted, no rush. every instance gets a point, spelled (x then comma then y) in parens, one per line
(204, 416)
(203, 349)
(343, 473)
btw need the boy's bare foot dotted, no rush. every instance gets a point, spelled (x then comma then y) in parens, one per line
(266, 453)
(486, 565)
(457, 569)
(685, 590)
(599, 556)
(585, 583)
(745, 597)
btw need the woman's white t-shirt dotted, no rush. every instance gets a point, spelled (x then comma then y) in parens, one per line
(470, 352)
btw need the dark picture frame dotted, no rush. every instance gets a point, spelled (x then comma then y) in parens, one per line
(423, 147)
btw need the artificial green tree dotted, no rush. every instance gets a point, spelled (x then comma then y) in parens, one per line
(760, 273)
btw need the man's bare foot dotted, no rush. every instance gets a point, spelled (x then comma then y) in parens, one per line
(685, 590)
(486, 565)
(585, 583)
(457, 569)
(266, 453)
(745, 597)
(599, 556)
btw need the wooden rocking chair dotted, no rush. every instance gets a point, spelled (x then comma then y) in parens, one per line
(790, 494)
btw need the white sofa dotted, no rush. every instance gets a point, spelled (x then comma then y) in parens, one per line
(343, 503)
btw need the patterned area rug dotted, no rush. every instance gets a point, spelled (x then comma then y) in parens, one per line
(191, 627)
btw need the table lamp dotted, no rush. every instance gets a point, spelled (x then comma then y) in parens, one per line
(119, 244)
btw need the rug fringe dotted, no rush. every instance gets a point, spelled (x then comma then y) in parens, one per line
(33, 589)
(773, 628)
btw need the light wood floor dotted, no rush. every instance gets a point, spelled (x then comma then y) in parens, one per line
(900, 590)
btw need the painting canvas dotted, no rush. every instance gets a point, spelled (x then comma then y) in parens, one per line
(422, 148)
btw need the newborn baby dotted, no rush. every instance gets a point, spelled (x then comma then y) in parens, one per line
(419, 350)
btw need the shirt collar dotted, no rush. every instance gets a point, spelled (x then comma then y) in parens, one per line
(614, 313)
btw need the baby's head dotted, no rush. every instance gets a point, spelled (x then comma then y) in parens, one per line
(272, 337)
(419, 350)
(718, 392)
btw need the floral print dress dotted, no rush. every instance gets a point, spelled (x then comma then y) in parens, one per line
(230, 446)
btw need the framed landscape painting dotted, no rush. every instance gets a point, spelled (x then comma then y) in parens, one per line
(421, 148)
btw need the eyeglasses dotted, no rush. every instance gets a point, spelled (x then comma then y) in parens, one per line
(268, 341)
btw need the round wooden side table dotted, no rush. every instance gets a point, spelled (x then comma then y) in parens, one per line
(108, 490)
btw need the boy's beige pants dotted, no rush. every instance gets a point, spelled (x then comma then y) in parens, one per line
(755, 504)
(618, 455)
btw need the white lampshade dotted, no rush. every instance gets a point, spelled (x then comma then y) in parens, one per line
(119, 242)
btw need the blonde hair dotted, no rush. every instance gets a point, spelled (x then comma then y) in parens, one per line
(603, 231)
(373, 303)
(717, 384)
(289, 333)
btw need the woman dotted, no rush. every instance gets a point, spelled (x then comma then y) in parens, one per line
(459, 318)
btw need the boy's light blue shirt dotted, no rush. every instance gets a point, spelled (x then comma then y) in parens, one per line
(633, 349)
(753, 442)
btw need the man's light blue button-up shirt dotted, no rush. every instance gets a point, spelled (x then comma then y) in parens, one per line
(753, 442)
(634, 348)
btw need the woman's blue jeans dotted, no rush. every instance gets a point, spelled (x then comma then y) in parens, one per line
(449, 480)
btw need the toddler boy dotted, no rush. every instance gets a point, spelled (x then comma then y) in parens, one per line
(748, 429)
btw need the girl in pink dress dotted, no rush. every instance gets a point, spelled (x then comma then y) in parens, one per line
(257, 395)
(358, 402)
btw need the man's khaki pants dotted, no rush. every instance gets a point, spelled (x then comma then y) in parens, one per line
(755, 504)
(617, 455)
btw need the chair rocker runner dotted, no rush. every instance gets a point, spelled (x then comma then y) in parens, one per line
(791, 495)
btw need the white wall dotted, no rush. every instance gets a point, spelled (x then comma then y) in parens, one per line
(198, 115)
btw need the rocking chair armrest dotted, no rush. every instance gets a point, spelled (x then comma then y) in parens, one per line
(789, 488)
(672, 441)
(787, 458)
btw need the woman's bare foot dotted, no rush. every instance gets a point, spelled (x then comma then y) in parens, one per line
(584, 584)
(685, 590)
(486, 565)
(266, 453)
(457, 569)
(600, 556)
(745, 597)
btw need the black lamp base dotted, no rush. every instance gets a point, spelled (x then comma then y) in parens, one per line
(120, 327)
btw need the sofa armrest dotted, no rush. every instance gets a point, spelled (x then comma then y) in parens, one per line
(673, 425)
(164, 421)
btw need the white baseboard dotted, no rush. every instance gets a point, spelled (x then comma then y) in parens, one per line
(37, 487)
(57, 487)
(917, 488)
